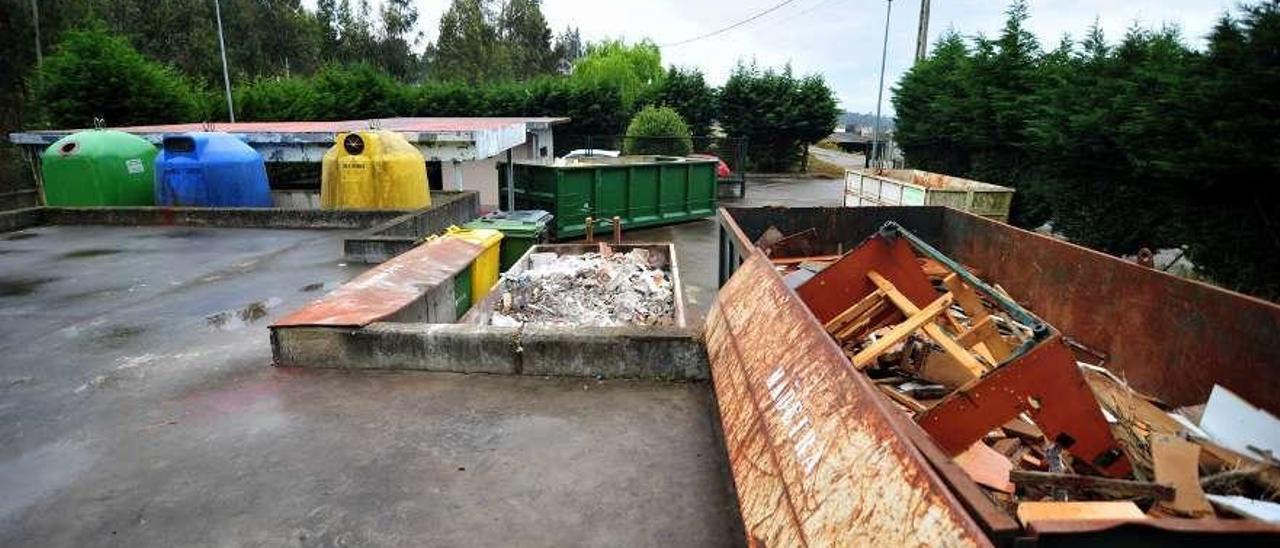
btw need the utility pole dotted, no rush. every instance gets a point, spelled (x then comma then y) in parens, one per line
(922, 37)
(884, 52)
(226, 77)
(35, 22)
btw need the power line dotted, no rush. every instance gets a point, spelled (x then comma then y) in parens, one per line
(806, 11)
(730, 27)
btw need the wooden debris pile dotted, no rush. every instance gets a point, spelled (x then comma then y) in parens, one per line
(1003, 394)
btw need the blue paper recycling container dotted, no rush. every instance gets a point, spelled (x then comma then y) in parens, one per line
(210, 170)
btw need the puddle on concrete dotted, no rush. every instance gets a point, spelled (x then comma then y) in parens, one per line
(21, 236)
(182, 233)
(117, 336)
(240, 317)
(91, 252)
(312, 287)
(15, 287)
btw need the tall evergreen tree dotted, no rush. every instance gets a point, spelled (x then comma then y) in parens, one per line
(524, 30)
(468, 48)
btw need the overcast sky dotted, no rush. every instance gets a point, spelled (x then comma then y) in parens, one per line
(839, 39)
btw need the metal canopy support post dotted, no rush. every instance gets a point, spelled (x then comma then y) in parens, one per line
(884, 51)
(511, 183)
(226, 77)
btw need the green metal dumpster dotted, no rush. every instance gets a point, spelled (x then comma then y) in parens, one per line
(521, 229)
(641, 190)
(99, 167)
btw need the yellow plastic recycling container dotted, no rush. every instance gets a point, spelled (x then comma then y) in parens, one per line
(484, 272)
(374, 169)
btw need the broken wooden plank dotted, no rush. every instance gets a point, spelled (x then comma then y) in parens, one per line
(1031, 512)
(869, 321)
(941, 368)
(987, 467)
(1023, 429)
(987, 334)
(966, 298)
(934, 332)
(914, 321)
(1007, 447)
(857, 309)
(1130, 406)
(1177, 463)
(1091, 487)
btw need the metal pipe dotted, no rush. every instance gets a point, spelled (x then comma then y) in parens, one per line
(617, 230)
(511, 184)
(226, 76)
(591, 228)
(884, 52)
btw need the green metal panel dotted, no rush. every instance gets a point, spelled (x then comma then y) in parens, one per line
(642, 191)
(99, 168)
(462, 291)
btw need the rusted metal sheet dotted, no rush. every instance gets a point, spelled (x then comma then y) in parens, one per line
(814, 456)
(1046, 384)
(1167, 336)
(388, 288)
(845, 282)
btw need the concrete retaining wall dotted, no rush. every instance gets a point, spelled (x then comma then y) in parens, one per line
(448, 207)
(19, 219)
(667, 353)
(396, 236)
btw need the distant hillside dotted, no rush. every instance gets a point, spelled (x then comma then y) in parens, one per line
(868, 120)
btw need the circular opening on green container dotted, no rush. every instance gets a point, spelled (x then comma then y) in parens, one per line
(353, 144)
(68, 147)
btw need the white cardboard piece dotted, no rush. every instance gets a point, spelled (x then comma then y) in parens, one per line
(1237, 424)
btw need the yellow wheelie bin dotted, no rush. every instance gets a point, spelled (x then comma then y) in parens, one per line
(484, 272)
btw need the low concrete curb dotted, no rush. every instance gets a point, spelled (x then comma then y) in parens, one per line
(665, 353)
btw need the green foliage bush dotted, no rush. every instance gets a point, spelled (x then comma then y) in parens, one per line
(1142, 143)
(658, 130)
(631, 68)
(95, 74)
(686, 91)
(778, 113)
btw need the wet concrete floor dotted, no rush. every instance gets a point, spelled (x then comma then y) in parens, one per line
(138, 407)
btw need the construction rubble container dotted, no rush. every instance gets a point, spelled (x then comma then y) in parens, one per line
(373, 169)
(210, 170)
(639, 190)
(912, 187)
(520, 230)
(99, 167)
(484, 271)
(798, 412)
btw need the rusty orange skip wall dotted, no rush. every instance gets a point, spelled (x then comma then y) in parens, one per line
(814, 457)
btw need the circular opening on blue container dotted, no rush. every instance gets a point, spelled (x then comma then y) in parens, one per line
(353, 144)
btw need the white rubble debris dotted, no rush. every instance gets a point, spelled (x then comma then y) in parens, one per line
(591, 289)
